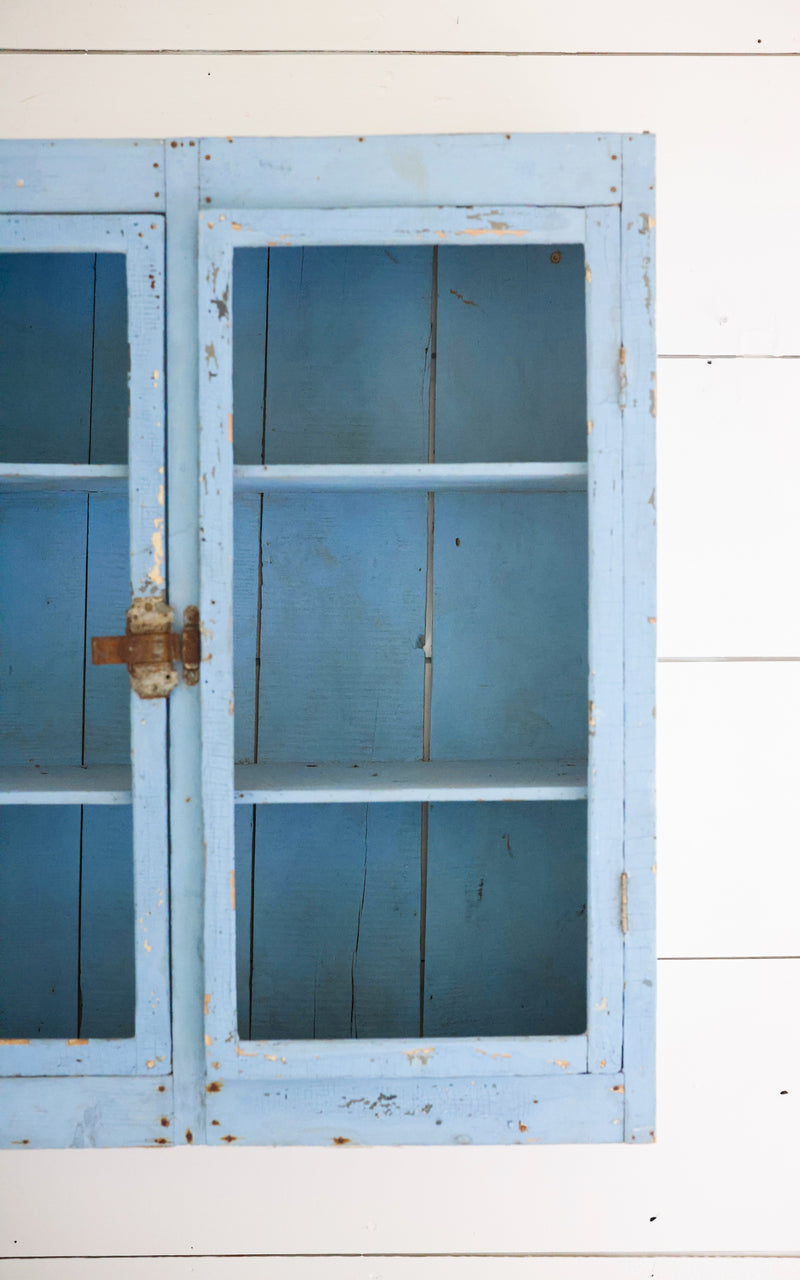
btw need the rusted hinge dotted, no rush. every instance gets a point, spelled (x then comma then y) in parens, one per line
(150, 647)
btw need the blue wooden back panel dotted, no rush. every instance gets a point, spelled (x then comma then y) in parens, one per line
(39, 920)
(506, 920)
(46, 332)
(110, 361)
(335, 921)
(509, 626)
(511, 354)
(346, 354)
(343, 610)
(107, 976)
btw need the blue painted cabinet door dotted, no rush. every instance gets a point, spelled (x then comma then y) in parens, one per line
(412, 714)
(84, 912)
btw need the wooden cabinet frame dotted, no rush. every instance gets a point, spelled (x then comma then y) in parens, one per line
(220, 194)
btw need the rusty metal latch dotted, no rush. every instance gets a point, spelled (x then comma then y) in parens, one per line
(150, 647)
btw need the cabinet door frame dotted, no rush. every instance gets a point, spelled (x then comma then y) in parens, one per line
(578, 1081)
(107, 1072)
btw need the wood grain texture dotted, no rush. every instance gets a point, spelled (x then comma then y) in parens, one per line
(506, 921)
(85, 1113)
(346, 374)
(344, 599)
(461, 28)
(347, 172)
(398, 780)
(402, 1111)
(336, 927)
(605, 710)
(46, 339)
(40, 897)
(186, 835)
(639, 412)
(511, 354)
(83, 175)
(510, 630)
(513, 477)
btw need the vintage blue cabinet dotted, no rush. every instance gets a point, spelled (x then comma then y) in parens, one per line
(383, 411)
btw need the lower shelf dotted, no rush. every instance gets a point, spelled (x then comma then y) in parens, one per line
(324, 783)
(401, 780)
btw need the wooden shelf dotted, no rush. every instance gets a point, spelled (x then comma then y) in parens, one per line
(62, 784)
(516, 476)
(413, 780)
(63, 477)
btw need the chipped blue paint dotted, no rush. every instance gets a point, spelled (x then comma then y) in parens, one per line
(586, 200)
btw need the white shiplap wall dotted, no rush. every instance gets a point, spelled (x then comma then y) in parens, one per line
(723, 1178)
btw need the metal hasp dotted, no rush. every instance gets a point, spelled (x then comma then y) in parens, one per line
(150, 647)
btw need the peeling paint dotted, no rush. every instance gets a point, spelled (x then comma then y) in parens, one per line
(653, 394)
(156, 574)
(618, 1088)
(422, 1054)
(561, 1062)
(647, 224)
(588, 273)
(14, 1041)
(71, 1042)
(209, 1040)
(243, 1053)
(496, 229)
(206, 1002)
(230, 428)
(602, 1005)
(340, 1142)
(233, 889)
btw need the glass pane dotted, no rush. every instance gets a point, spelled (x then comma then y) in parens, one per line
(63, 358)
(333, 350)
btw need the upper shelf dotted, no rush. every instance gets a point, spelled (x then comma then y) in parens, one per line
(551, 476)
(409, 780)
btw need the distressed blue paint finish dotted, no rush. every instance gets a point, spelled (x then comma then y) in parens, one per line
(506, 921)
(186, 848)
(457, 169)
(107, 973)
(430, 1078)
(554, 477)
(336, 925)
(82, 176)
(344, 591)
(39, 910)
(511, 354)
(86, 1113)
(639, 413)
(46, 337)
(605, 712)
(509, 627)
(414, 1108)
(84, 553)
(347, 344)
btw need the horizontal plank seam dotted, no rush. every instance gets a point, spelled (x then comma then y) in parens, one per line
(148, 1257)
(763, 658)
(402, 53)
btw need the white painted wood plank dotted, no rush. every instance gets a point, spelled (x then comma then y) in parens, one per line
(308, 1267)
(726, 143)
(729, 521)
(728, 763)
(511, 476)
(721, 1177)
(276, 783)
(312, 24)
